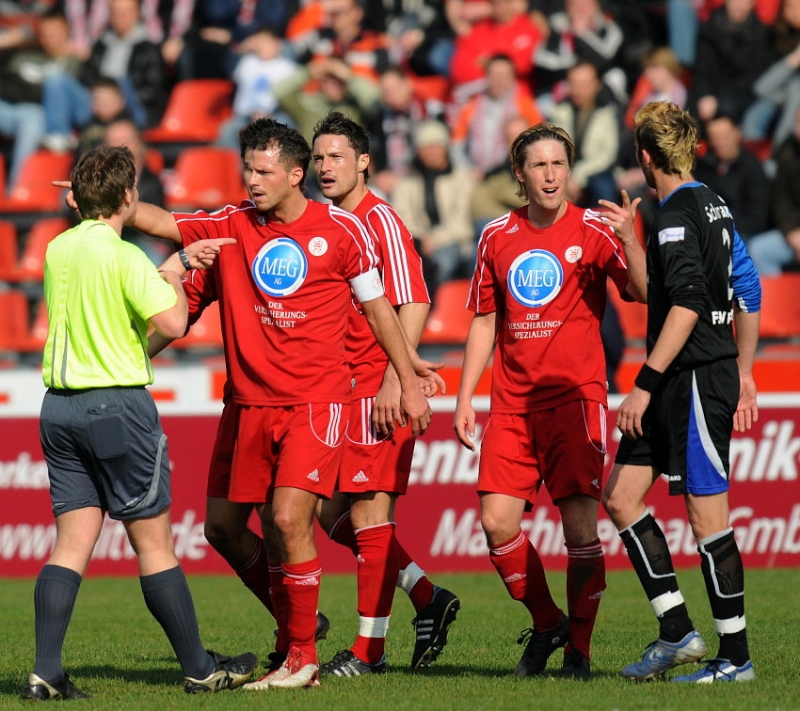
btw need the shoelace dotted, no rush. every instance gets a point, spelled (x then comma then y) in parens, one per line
(525, 636)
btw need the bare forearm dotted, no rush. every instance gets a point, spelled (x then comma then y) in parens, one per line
(156, 221)
(747, 325)
(480, 343)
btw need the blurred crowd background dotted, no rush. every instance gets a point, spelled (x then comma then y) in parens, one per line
(442, 85)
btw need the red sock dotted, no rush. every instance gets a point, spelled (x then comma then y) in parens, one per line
(277, 591)
(377, 579)
(342, 533)
(412, 580)
(301, 582)
(522, 571)
(255, 574)
(586, 580)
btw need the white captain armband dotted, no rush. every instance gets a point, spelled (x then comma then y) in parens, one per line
(367, 286)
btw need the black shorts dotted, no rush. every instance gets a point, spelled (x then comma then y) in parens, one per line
(687, 429)
(106, 448)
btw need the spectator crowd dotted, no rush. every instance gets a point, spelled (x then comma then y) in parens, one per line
(442, 86)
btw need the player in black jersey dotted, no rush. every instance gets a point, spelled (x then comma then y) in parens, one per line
(695, 387)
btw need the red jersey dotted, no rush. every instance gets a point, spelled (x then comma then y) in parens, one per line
(401, 271)
(548, 287)
(284, 292)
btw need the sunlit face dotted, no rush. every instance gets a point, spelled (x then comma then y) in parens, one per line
(337, 167)
(267, 180)
(545, 173)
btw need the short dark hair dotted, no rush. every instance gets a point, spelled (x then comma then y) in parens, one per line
(264, 133)
(337, 124)
(99, 181)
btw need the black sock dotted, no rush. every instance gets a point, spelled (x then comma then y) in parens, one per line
(169, 600)
(53, 601)
(723, 572)
(648, 551)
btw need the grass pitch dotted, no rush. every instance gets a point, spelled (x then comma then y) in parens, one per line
(116, 652)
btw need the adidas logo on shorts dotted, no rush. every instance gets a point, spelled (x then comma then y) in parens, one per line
(360, 478)
(314, 476)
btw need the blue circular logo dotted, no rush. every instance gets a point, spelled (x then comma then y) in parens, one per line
(535, 278)
(280, 267)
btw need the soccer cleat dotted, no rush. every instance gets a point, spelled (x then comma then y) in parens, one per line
(662, 656)
(539, 646)
(719, 670)
(345, 663)
(299, 670)
(37, 689)
(228, 673)
(432, 624)
(323, 625)
(576, 666)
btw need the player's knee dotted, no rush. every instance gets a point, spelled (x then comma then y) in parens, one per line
(217, 535)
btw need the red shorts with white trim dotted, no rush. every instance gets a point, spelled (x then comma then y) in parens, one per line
(562, 448)
(372, 461)
(298, 446)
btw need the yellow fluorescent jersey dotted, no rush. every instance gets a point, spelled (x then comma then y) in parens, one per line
(100, 292)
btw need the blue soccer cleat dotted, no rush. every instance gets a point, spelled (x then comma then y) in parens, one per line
(719, 670)
(661, 656)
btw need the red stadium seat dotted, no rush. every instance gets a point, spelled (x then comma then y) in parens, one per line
(205, 177)
(33, 190)
(31, 261)
(632, 317)
(205, 334)
(14, 317)
(780, 306)
(9, 251)
(195, 110)
(449, 319)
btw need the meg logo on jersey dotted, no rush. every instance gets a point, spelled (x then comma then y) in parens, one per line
(535, 278)
(280, 267)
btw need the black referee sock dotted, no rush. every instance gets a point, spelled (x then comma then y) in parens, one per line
(723, 572)
(169, 600)
(53, 602)
(647, 548)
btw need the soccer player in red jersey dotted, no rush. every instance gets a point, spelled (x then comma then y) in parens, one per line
(375, 467)
(284, 292)
(538, 293)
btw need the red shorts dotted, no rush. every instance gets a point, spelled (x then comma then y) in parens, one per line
(219, 471)
(297, 446)
(370, 460)
(563, 448)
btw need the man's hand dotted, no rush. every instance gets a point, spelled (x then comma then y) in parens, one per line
(69, 198)
(629, 415)
(464, 424)
(202, 253)
(387, 409)
(416, 407)
(620, 218)
(747, 409)
(429, 380)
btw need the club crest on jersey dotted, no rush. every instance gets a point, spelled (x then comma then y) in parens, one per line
(535, 278)
(318, 246)
(280, 267)
(573, 254)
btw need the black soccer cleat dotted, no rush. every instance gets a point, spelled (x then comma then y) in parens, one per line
(228, 673)
(37, 689)
(432, 624)
(345, 663)
(539, 646)
(576, 666)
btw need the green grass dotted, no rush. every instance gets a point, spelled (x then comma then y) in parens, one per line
(116, 651)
